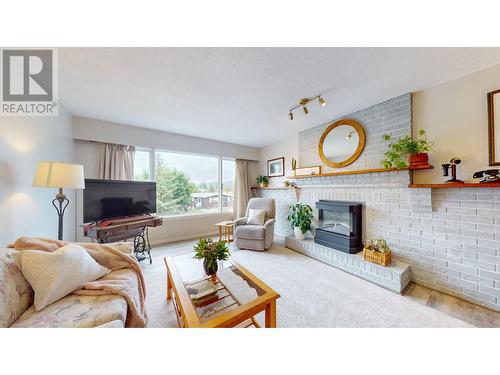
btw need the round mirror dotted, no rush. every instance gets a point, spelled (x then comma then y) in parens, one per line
(341, 143)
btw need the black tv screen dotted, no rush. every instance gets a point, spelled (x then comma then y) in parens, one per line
(109, 199)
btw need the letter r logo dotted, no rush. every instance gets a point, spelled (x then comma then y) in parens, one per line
(27, 75)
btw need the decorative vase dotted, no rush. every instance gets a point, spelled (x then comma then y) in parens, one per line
(298, 234)
(210, 270)
(263, 184)
(419, 160)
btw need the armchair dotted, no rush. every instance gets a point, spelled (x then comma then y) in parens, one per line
(256, 237)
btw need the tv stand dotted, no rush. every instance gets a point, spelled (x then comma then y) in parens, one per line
(122, 229)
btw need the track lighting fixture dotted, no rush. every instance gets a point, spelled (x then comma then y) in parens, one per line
(303, 103)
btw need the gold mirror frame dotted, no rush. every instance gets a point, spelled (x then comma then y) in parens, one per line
(361, 145)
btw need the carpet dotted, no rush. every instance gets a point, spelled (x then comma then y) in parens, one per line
(313, 294)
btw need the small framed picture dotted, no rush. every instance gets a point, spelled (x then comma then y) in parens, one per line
(276, 167)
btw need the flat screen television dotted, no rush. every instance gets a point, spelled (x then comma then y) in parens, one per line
(110, 199)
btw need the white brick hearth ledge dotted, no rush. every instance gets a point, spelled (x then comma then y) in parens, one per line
(395, 277)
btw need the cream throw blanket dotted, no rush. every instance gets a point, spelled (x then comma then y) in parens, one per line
(126, 280)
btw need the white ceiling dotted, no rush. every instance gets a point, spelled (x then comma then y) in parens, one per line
(242, 95)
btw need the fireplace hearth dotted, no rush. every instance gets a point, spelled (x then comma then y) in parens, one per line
(340, 225)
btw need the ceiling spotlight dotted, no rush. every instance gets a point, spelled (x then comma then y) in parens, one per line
(303, 103)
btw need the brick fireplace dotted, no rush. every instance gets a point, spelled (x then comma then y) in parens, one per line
(450, 237)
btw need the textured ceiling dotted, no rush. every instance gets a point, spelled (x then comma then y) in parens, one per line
(242, 95)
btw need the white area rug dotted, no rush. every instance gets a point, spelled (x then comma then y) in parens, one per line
(313, 294)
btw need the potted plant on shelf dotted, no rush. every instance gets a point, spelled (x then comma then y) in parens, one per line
(210, 252)
(407, 149)
(300, 217)
(263, 181)
(377, 251)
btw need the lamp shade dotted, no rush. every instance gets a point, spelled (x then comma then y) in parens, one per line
(52, 174)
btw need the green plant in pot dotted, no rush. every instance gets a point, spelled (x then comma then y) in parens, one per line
(210, 252)
(263, 181)
(406, 149)
(300, 217)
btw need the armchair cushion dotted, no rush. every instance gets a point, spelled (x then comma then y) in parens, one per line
(250, 232)
(256, 217)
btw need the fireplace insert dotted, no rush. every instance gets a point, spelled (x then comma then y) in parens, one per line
(340, 225)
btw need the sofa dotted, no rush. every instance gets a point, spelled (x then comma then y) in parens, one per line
(72, 311)
(256, 237)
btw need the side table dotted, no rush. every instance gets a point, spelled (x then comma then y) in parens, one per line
(225, 231)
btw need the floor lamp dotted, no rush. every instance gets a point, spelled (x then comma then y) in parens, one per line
(51, 174)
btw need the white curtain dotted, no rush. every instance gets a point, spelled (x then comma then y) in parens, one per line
(116, 162)
(242, 189)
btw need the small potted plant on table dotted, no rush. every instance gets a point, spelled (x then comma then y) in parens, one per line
(406, 150)
(210, 252)
(300, 217)
(377, 251)
(263, 181)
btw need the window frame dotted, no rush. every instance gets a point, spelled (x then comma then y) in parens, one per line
(220, 161)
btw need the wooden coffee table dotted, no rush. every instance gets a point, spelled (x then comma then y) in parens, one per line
(230, 299)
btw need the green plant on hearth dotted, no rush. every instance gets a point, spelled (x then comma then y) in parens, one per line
(300, 216)
(399, 150)
(210, 252)
(263, 180)
(378, 244)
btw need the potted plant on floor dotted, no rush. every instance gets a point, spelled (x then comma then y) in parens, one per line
(300, 217)
(210, 252)
(377, 251)
(263, 181)
(407, 149)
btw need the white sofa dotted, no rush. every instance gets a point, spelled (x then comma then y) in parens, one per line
(17, 309)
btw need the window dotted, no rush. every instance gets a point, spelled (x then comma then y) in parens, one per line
(142, 168)
(228, 172)
(186, 184)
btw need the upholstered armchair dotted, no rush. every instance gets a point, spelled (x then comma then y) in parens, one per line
(256, 237)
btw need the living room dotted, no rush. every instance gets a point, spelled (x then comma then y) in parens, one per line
(250, 187)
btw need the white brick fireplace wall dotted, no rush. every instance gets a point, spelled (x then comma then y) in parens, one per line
(450, 237)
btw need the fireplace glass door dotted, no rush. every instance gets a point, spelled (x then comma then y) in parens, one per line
(336, 222)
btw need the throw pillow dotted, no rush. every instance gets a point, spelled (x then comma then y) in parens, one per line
(55, 275)
(256, 217)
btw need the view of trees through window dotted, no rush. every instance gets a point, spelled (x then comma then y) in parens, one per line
(188, 184)
(141, 166)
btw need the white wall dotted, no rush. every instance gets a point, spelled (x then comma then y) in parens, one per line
(288, 148)
(25, 210)
(454, 116)
(104, 131)
(174, 228)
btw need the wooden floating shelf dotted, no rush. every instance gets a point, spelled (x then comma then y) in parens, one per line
(361, 171)
(455, 186)
(274, 188)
